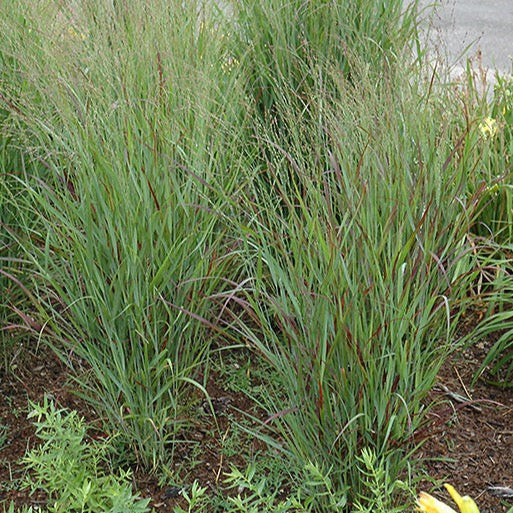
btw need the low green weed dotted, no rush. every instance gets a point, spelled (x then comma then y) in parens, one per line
(378, 486)
(256, 494)
(248, 373)
(196, 499)
(71, 469)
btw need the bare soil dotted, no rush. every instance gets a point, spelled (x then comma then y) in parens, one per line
(468, 436)
(469, 433)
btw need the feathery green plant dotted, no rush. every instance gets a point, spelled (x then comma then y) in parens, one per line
(68, 467)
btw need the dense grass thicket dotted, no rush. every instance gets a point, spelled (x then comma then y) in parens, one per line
(293, 177)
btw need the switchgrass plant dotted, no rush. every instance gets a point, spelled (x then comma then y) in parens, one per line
(294, 44)
(16, 319)
(7, 219)
(130, 250)
(497, 322)
(5, 254)
(361, 260)
(282, 176)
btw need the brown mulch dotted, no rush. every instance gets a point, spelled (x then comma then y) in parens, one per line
(469, 432)
(39, 373)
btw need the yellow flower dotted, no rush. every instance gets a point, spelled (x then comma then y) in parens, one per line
(76, 35)
(428, 504)
(488, 127)
(465, 503)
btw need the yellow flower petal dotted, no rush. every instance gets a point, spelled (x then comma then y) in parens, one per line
(465, 504)
(456, 497)
(488, 127)
(428, 504)
(468, 505)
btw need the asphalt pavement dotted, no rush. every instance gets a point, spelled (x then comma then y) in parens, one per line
(461, 28)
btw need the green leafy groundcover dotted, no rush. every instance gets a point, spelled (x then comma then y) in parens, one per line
(70, 467)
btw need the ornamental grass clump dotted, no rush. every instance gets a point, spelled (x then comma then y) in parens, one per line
(132, 117)
(293, 45)
(17, 221)
(492, 232)
(357, 245)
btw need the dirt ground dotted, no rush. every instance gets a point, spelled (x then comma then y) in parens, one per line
(40, 374)
(468, 433)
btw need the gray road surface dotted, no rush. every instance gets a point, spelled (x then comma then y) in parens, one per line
(483, 24)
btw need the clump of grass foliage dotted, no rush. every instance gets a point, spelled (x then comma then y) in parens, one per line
(364, 198)
(361, 258)
(281, 175)
(12, 216)
(494, 232)
(133, 129)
